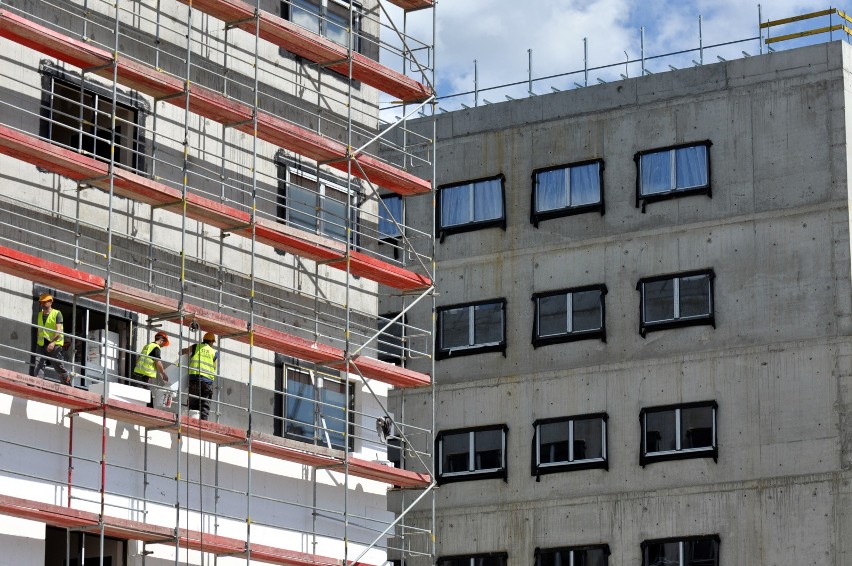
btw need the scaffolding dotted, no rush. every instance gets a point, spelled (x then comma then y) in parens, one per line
(212, 166)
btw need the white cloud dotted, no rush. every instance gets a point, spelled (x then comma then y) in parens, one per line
(498, 33)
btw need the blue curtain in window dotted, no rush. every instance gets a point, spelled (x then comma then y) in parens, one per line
(655, 173)
(691, 167)
(551, 190)
(487, 200)
(455, 205)
(585, 184)
(387, 229)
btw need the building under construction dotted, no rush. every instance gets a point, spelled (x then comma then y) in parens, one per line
(211, 166)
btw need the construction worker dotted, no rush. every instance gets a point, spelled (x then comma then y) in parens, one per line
(149, 364)
(51, 339)
(203, 362)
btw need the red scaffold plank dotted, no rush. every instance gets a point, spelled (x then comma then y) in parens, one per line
(387, 474)
(385, 372)
(413, 4)
(79, 167)
(52, 274)
(210, 104)
(313, 47)
(38, 389)
(125, 529)
(57, 395)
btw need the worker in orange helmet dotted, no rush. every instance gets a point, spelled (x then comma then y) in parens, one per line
(50, 339)
(149, 364)
(203, 363)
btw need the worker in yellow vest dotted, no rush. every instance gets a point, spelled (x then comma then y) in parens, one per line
(149, 364)
(203, 363)
(50, 339)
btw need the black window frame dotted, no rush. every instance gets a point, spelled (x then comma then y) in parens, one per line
(704, 320)
(643, 200)
(442, 353)
(538, 340)
(321, 14)
(130, 101)
(443, 231)
(536, 217)
(286, 168)
(391, 343)
(283, 364)
(122, 321)
(537, 554)
(471, 475)
(646, 457)
(714, 538)
(538, 470)
(499, 557)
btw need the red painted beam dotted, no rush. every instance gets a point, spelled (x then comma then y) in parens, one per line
(210, 104)
(314, 47)
(141, 189)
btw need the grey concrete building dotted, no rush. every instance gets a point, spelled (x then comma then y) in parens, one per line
(644, 320)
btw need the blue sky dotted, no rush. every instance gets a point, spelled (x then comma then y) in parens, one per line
(499, 33)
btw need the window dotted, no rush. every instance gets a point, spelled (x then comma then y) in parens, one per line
(672, 172)
(569, 443)
(678, 431)
(472, 328)
(593, 555)
(471, 205)
(313, 408)
(78, 116)
(82, 548)
(567, 189)
(671, 301)
(573, 314)
(391, 217)
(390, 211)
(84, 333)
(689, 551)
(490, 559)
(328, 18)
(316, 203)
(471, 454)
(391, 342)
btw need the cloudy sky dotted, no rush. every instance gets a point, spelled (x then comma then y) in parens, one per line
(499, 33)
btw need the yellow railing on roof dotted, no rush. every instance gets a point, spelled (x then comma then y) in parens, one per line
(821, 13)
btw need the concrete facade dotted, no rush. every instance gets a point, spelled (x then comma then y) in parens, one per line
(774, 232)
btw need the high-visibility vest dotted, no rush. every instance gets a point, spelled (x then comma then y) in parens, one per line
(145, 364)
(44, 334)
(203, 362)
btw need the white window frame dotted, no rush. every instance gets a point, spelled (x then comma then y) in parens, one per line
(471, 222)
(569, 313)
(681, 550)
(571, 460)
(322, 216)
(471, 454)
(571, 551)
(679, 451)
(472, 346)
(539, 213)
(322, 15)
(318, 383)
(708, 317)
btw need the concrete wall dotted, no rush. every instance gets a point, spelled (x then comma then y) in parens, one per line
(776, 234)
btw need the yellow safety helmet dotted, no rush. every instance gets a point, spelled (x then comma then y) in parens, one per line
(45, 297)
(209, 337)
(162, 335)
